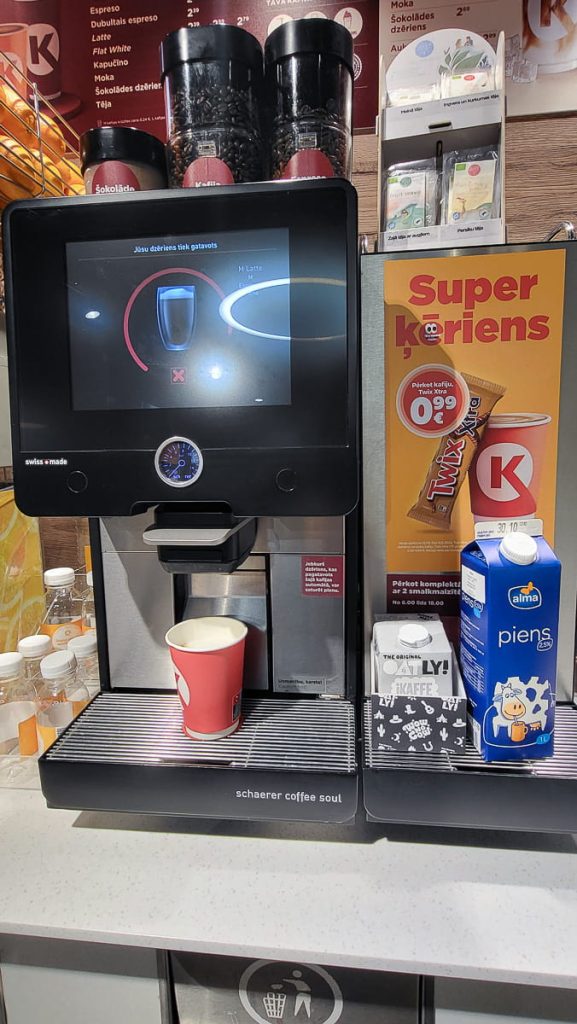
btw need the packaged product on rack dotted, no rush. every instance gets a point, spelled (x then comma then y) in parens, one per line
(442, 64)
(88, 609)
(33, 649)
(17, 707)
(509, 628)
(417, 698)
(412, 656)
(467, 83)
(471, 185)
(412, 195)
(85, 650)
(63, 618)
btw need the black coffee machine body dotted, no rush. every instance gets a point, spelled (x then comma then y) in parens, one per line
(183, 370)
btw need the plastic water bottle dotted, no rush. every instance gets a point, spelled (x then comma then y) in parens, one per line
(55, 710)
(85, 650)
(33, 649)
(88, 610)
(17, 707)
(63, 618)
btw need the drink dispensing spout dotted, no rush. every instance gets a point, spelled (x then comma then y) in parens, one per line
(189, 541)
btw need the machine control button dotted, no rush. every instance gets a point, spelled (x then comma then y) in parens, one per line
(77, 482)
(286, 480)
(178, 462)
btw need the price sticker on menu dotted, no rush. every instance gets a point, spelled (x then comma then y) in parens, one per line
(432, 400)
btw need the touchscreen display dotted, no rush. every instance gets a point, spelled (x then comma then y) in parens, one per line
(180, 321)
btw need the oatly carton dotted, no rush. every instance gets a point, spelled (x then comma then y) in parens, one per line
(509, 623)
(412, 657)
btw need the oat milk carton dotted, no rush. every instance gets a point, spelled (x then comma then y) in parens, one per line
(412, 657)
(509, 624)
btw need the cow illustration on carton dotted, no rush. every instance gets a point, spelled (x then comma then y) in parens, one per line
(520, 708)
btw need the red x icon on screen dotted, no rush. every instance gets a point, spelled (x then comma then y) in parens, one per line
(178, 375)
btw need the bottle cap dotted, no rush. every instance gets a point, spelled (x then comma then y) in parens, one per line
(519, 548)
(83, 645)
(63, 577)
(413, 634)
(37, 646)
(57, 664)
(89, 579)
(11, 665)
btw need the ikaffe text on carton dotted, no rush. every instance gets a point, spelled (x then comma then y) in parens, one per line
(509, 625)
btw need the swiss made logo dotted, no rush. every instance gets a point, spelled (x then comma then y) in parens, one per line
(525, 597)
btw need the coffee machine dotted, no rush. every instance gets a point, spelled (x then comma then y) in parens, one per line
(183, 371)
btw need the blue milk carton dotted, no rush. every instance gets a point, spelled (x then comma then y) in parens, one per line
(509, 624)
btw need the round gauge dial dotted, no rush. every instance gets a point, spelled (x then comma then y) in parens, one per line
(178, 462)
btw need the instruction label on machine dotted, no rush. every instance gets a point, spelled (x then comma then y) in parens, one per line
(322, 577)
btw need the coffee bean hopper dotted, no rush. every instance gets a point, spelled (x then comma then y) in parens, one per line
(183, 370)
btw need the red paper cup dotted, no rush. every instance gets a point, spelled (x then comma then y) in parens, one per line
(208, 657)
(505, 475)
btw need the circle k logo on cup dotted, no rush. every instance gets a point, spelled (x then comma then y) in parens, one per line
(504, 471)
(505, 476)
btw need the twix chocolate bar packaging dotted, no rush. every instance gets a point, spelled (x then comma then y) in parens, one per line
(454, 455)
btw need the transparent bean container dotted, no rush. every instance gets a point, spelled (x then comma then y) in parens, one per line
(309, 97)
(213, 83)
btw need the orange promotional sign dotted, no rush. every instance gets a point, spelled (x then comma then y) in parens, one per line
(472, 378)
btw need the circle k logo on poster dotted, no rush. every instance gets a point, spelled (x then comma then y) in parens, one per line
(44, 49)
(505, 471)
(552, 20)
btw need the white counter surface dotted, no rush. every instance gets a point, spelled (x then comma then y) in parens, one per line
(359, 897)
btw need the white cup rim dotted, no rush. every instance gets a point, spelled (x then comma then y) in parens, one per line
(235, 625)
(508, 420)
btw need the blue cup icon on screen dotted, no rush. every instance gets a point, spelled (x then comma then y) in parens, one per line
(176, 316)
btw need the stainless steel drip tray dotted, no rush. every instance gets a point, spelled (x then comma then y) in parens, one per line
(291, 759)
(465, 791)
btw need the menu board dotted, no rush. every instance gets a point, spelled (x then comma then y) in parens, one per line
(404, 20)
(540, 43)
(99, 63)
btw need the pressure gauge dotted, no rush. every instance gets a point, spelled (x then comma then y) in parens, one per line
(178, 462)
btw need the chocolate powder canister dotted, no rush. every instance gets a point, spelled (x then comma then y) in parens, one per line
(117, 159)
(309, 98)
(213, 81)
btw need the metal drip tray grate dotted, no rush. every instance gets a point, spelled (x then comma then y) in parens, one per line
(146, 729)
(563, 765)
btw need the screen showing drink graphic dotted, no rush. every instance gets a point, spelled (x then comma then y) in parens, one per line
(177, 322)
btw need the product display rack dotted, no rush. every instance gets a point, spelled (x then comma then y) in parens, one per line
(291, 760)
(464, 791)
(40, 178)
(446, 789)
(427, 130)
